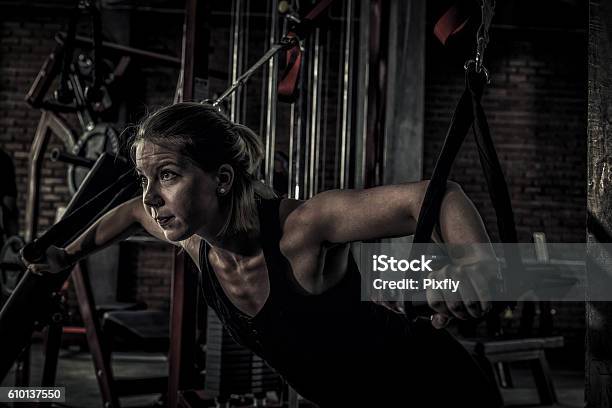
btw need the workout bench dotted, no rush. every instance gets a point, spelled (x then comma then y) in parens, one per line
(492, 353)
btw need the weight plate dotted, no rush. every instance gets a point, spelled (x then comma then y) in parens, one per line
(102, 138)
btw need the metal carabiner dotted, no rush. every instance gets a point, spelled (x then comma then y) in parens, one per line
(473, 64)
(487, 10)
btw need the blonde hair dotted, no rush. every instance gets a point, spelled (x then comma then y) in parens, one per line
(209, 139)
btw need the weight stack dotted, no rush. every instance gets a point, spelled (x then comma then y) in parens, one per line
(231, 369)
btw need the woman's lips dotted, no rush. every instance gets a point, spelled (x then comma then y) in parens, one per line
(164, 221)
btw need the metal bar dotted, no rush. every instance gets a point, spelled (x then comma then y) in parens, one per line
(45, 77)
(300, 144)
(317, 101)
(325, 70)
(377, 90)
(244, 77)
(363, 77)
(84, 115)
(307, 109)
(48, 121)
(194, 74)
(244, 42)
(271, 98)
(62, 156)
(347, 74)
(235, 62)
(291, 192)
(339, 105)
(185, 88)
(177, 307)
(312, 115)
(131, 51)
(100, 356)
(391, 45)
(53, 340)
(60, 129)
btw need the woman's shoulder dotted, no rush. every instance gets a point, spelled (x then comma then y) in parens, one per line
(287, 207)
(291, 221)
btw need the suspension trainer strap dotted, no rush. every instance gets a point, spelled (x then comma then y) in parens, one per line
(94, 204)
(290, 42)
(287, 85)
(469, 111)
(430, 209)
(453, 20)
(497, 187)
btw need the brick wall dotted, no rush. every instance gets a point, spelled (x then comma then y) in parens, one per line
(25, 42)
(145, 273)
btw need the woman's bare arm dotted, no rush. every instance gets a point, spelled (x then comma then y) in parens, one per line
(339, 216)
(390, 211)
(119, 223)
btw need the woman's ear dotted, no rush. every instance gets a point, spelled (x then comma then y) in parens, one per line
(225, 179)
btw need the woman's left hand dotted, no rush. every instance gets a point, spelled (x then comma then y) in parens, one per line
(466, 293)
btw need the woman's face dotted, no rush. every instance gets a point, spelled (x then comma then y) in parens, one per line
(178, 195)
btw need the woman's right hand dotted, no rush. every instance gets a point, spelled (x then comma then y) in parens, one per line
(54, 261)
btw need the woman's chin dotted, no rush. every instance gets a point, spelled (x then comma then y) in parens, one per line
(175, 235)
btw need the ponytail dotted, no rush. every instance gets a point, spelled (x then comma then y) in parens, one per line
(253, 148)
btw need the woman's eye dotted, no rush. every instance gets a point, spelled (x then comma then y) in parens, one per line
(166, 175)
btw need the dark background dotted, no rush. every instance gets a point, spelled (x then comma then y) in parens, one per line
(536, 106)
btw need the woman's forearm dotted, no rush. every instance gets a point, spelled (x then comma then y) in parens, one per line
(117, 224)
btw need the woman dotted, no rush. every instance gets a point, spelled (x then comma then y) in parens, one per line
(279, 272)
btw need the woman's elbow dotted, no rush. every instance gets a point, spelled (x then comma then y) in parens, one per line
(452, 187)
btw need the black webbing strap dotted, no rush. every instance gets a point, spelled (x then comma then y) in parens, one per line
(469, 112)
(77, 219)
(430, 209)
(498, 191)
(453, 20)
(288, 83)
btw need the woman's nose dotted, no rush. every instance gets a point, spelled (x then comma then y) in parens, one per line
(152, 199)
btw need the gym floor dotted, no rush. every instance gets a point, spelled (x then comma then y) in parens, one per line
(75, 372)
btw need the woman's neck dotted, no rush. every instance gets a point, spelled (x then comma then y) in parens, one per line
(246, 243)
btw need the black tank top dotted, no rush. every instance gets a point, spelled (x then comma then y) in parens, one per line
(335, 349)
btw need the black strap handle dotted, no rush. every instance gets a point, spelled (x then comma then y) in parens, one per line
(76, 220)
(469, 113)
(430, 209)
